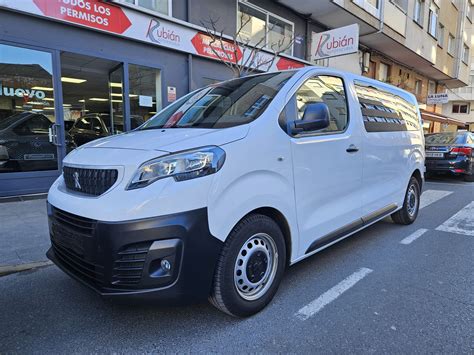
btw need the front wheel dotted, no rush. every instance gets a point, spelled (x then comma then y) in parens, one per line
(408, 213)
(250, 267)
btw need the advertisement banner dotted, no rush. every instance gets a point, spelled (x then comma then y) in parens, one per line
(122, 21)
(333, 43)
(435, 99)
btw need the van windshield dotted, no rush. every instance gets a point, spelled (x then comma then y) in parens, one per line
(227, 104)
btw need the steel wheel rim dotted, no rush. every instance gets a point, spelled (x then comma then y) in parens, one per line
(412, 201)
(252, 275)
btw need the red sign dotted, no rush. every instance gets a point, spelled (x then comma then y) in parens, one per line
(284, 63)
(90, 13)
(225, 50)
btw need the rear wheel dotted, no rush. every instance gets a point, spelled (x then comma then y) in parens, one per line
(408, 213)
(250, 267)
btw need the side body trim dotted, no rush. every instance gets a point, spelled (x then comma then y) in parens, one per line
(351, 228)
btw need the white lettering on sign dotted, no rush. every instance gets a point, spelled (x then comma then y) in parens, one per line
(333, 43)
(434, 99)
(28, 93)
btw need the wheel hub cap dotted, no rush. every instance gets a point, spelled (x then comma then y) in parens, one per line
(255, 266)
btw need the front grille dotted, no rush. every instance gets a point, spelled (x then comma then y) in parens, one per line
(128, 267)
(89, 181)
(71, 237)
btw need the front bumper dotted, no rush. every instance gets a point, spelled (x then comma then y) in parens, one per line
(125, 258)
(455, 166)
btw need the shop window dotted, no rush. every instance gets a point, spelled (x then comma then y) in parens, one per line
(418, 12)
(264, 29)
(460, 108)
(92, 98)
(145, 93)
(26, 110)
(161, 6)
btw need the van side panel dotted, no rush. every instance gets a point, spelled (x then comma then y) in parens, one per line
(392, 143)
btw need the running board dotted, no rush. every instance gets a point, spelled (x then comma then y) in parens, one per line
(351, 228)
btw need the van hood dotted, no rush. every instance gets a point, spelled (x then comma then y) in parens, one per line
(171, 139)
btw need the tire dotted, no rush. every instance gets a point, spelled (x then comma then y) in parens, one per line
(242, 261)
(411, 204)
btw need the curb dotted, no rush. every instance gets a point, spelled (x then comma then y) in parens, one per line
(11, 269)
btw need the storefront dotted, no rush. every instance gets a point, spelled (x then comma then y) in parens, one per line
(74, 71)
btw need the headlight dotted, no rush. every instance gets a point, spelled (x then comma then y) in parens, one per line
(181, 166)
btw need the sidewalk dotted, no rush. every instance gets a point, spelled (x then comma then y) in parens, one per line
(24, 235)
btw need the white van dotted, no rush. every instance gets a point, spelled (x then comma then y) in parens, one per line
(222, 190)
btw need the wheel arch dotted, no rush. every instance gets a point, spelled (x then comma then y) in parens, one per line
(282, 223)
(417, 175)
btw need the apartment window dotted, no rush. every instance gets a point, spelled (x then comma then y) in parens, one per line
(469, 12)
(161, 6)
(418, 13)
(383, 72)
(431, 87)
(418, 87)
(259, 27)
(465, 54)
(440, 35)
(451, 44)
(460, 108)
(433, 19)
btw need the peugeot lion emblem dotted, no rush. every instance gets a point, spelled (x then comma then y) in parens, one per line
(77, 184)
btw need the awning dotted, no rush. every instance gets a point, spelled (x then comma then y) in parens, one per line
(437, 117)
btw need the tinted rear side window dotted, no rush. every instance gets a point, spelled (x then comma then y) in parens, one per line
(384, 111)
(445, 138)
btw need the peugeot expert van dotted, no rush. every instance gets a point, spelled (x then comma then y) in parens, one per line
(219, 192)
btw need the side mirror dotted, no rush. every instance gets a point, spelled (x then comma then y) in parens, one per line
(315, 117)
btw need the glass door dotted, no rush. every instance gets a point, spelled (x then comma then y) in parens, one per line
(27, 113)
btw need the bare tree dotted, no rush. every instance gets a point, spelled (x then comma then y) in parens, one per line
(239, 54)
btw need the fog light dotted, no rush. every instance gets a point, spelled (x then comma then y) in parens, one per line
(165, 265)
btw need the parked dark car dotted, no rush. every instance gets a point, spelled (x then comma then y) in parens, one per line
(25, 144)
(450, 152)
(98, 125)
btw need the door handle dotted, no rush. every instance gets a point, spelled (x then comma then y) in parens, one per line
(352, 149)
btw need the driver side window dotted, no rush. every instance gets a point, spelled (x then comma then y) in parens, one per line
(329, 90)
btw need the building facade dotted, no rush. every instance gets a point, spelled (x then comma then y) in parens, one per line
(75, 70)
(461, 103)
(422, 46)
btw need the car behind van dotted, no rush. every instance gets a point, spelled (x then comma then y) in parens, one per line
(222, 190)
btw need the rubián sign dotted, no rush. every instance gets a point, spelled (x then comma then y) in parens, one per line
(333, 43)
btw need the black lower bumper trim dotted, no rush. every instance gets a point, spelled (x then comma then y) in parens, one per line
(168, 257)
